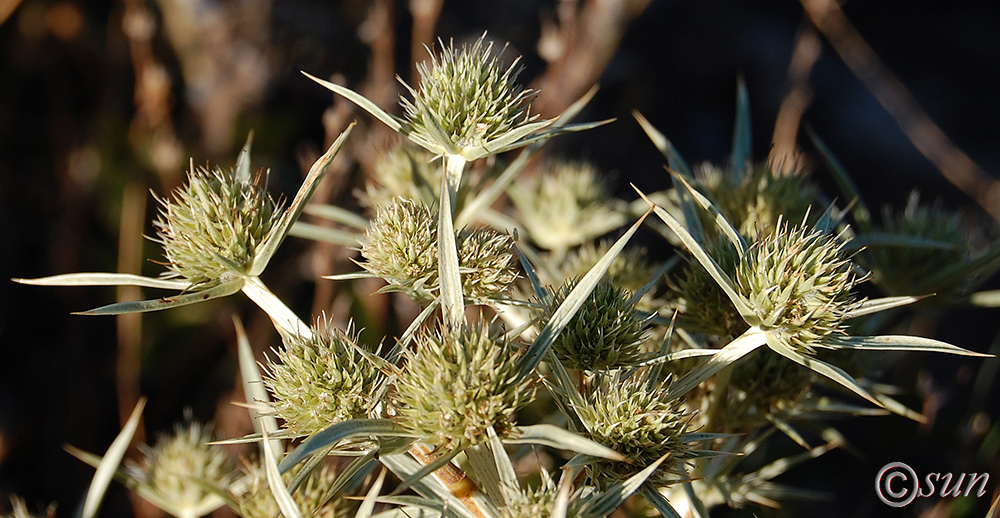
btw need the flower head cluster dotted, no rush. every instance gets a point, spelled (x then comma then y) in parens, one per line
(212, 227)
(798, 282)
(638, 421)
(566, 205)
(401, 247)
(767, 384)
(605, 333)
(466, 99)
(180, 467)
(312, 497)
(457, 384)
(322, 379)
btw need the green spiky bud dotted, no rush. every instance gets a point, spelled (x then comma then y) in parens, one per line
(798, 282)
(566, 205)
(257, 500)
(466, 99)
(212, 227)
(180, 466)
(457, 384)
(531, 504)
(605, 333)
(322, 379)
(639, 422)
(401, 247)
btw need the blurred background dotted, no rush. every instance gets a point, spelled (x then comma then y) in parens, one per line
(102, 102)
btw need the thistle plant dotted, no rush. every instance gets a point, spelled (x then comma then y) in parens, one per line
(322, 379)
(455, 386)
(764, 285)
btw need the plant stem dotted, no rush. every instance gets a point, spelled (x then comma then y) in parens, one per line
(452, 302)
(285, 321)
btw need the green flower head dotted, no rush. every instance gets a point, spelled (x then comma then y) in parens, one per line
(180, 467)
(211, 229)
(605, 333)
(312, 497)
(566, 205)
(640, 422)
(401, 248)
(322, 379)
(799, 283)
(457, 384)
(466, 100)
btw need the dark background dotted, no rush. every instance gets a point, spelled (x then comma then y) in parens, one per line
(73, 143)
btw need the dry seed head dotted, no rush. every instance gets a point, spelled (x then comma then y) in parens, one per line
(401, 247)
(639, 422)
(798, 281)
(566, 205)
(456, 384)
(321, 379)
(257, 501)
(469, 93)
(180, 465)
(211, 228)
(605, 333)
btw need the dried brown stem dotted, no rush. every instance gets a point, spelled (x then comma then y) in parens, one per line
(785, 155)
(928, 138)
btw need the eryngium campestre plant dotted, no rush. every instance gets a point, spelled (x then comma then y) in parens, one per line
(322, 379)
(211, 228)
(181, 467)
(401, 247)
(629, 416)
(605, 333)
(467, 97)
(458, 383)
(404, 170)
(312, 497)
(766, 384)
(799, 282)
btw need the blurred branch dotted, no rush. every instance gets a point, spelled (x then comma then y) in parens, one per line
(221, 50)
(7, 8)
(785, 155)
(928, 138)
(425, 17)
(578, 47)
